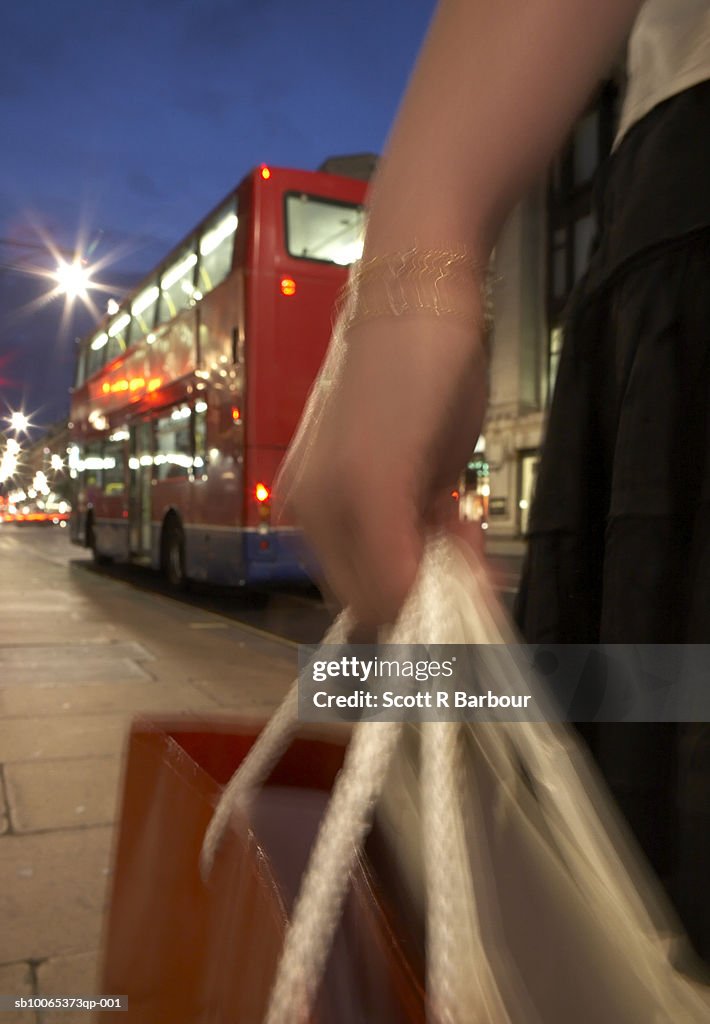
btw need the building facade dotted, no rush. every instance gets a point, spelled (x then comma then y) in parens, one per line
(541, 255)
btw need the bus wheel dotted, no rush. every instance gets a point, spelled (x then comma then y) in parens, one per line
(173, 554)
(99, 559)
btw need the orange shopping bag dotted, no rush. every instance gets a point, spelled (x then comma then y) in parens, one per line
(193, 952)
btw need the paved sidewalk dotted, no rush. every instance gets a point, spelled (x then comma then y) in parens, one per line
(80, 655)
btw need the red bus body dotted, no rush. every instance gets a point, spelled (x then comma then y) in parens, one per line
(178, 436)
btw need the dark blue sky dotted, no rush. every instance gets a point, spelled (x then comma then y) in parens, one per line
(122, 122)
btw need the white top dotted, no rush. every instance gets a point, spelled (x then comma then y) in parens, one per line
(669, 51)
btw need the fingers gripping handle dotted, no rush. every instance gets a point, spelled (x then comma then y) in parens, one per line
(428, 593)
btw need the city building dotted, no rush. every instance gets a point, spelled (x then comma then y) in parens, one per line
(540, 256)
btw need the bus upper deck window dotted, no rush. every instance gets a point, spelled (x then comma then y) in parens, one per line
(324, 229)
(217, 247)
(82, 366)
(177, 287)
(118, 335)
(96, 356)
(143, 310)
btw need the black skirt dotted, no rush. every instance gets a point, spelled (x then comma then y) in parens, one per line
(619, 543)
(620, 526)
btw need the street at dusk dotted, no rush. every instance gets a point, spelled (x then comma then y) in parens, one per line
(354, 543)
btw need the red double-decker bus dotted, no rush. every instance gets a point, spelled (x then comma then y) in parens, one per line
(186, 397)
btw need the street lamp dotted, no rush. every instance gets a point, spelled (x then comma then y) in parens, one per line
(72, 276)
(18, 422)
(73, 279)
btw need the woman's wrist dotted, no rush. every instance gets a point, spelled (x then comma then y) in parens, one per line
(419, 281)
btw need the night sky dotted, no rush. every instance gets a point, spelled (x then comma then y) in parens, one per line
(123, 122)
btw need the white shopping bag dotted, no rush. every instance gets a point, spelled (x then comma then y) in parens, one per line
(536, 910)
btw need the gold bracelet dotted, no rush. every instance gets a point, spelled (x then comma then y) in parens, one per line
(436, 282)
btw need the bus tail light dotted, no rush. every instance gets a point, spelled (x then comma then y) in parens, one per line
(236, 414)
(262, 495)
(288, 286)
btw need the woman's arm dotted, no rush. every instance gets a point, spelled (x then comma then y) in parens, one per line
(495, 90)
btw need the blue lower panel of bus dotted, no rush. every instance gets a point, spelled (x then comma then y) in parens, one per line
(244, 557)
(231, 557)
(276, 555)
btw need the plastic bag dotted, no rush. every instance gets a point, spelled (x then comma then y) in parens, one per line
(534, 902)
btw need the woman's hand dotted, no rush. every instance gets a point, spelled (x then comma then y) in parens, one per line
(367, 477)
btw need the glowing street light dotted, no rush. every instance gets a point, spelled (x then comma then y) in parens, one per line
(8, 466)
(40, 483)
(73, 279)
(18, 422)
(9, 460)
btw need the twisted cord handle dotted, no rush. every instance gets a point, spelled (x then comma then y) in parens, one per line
(317, 911)
(455, 996)
(269, 747)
